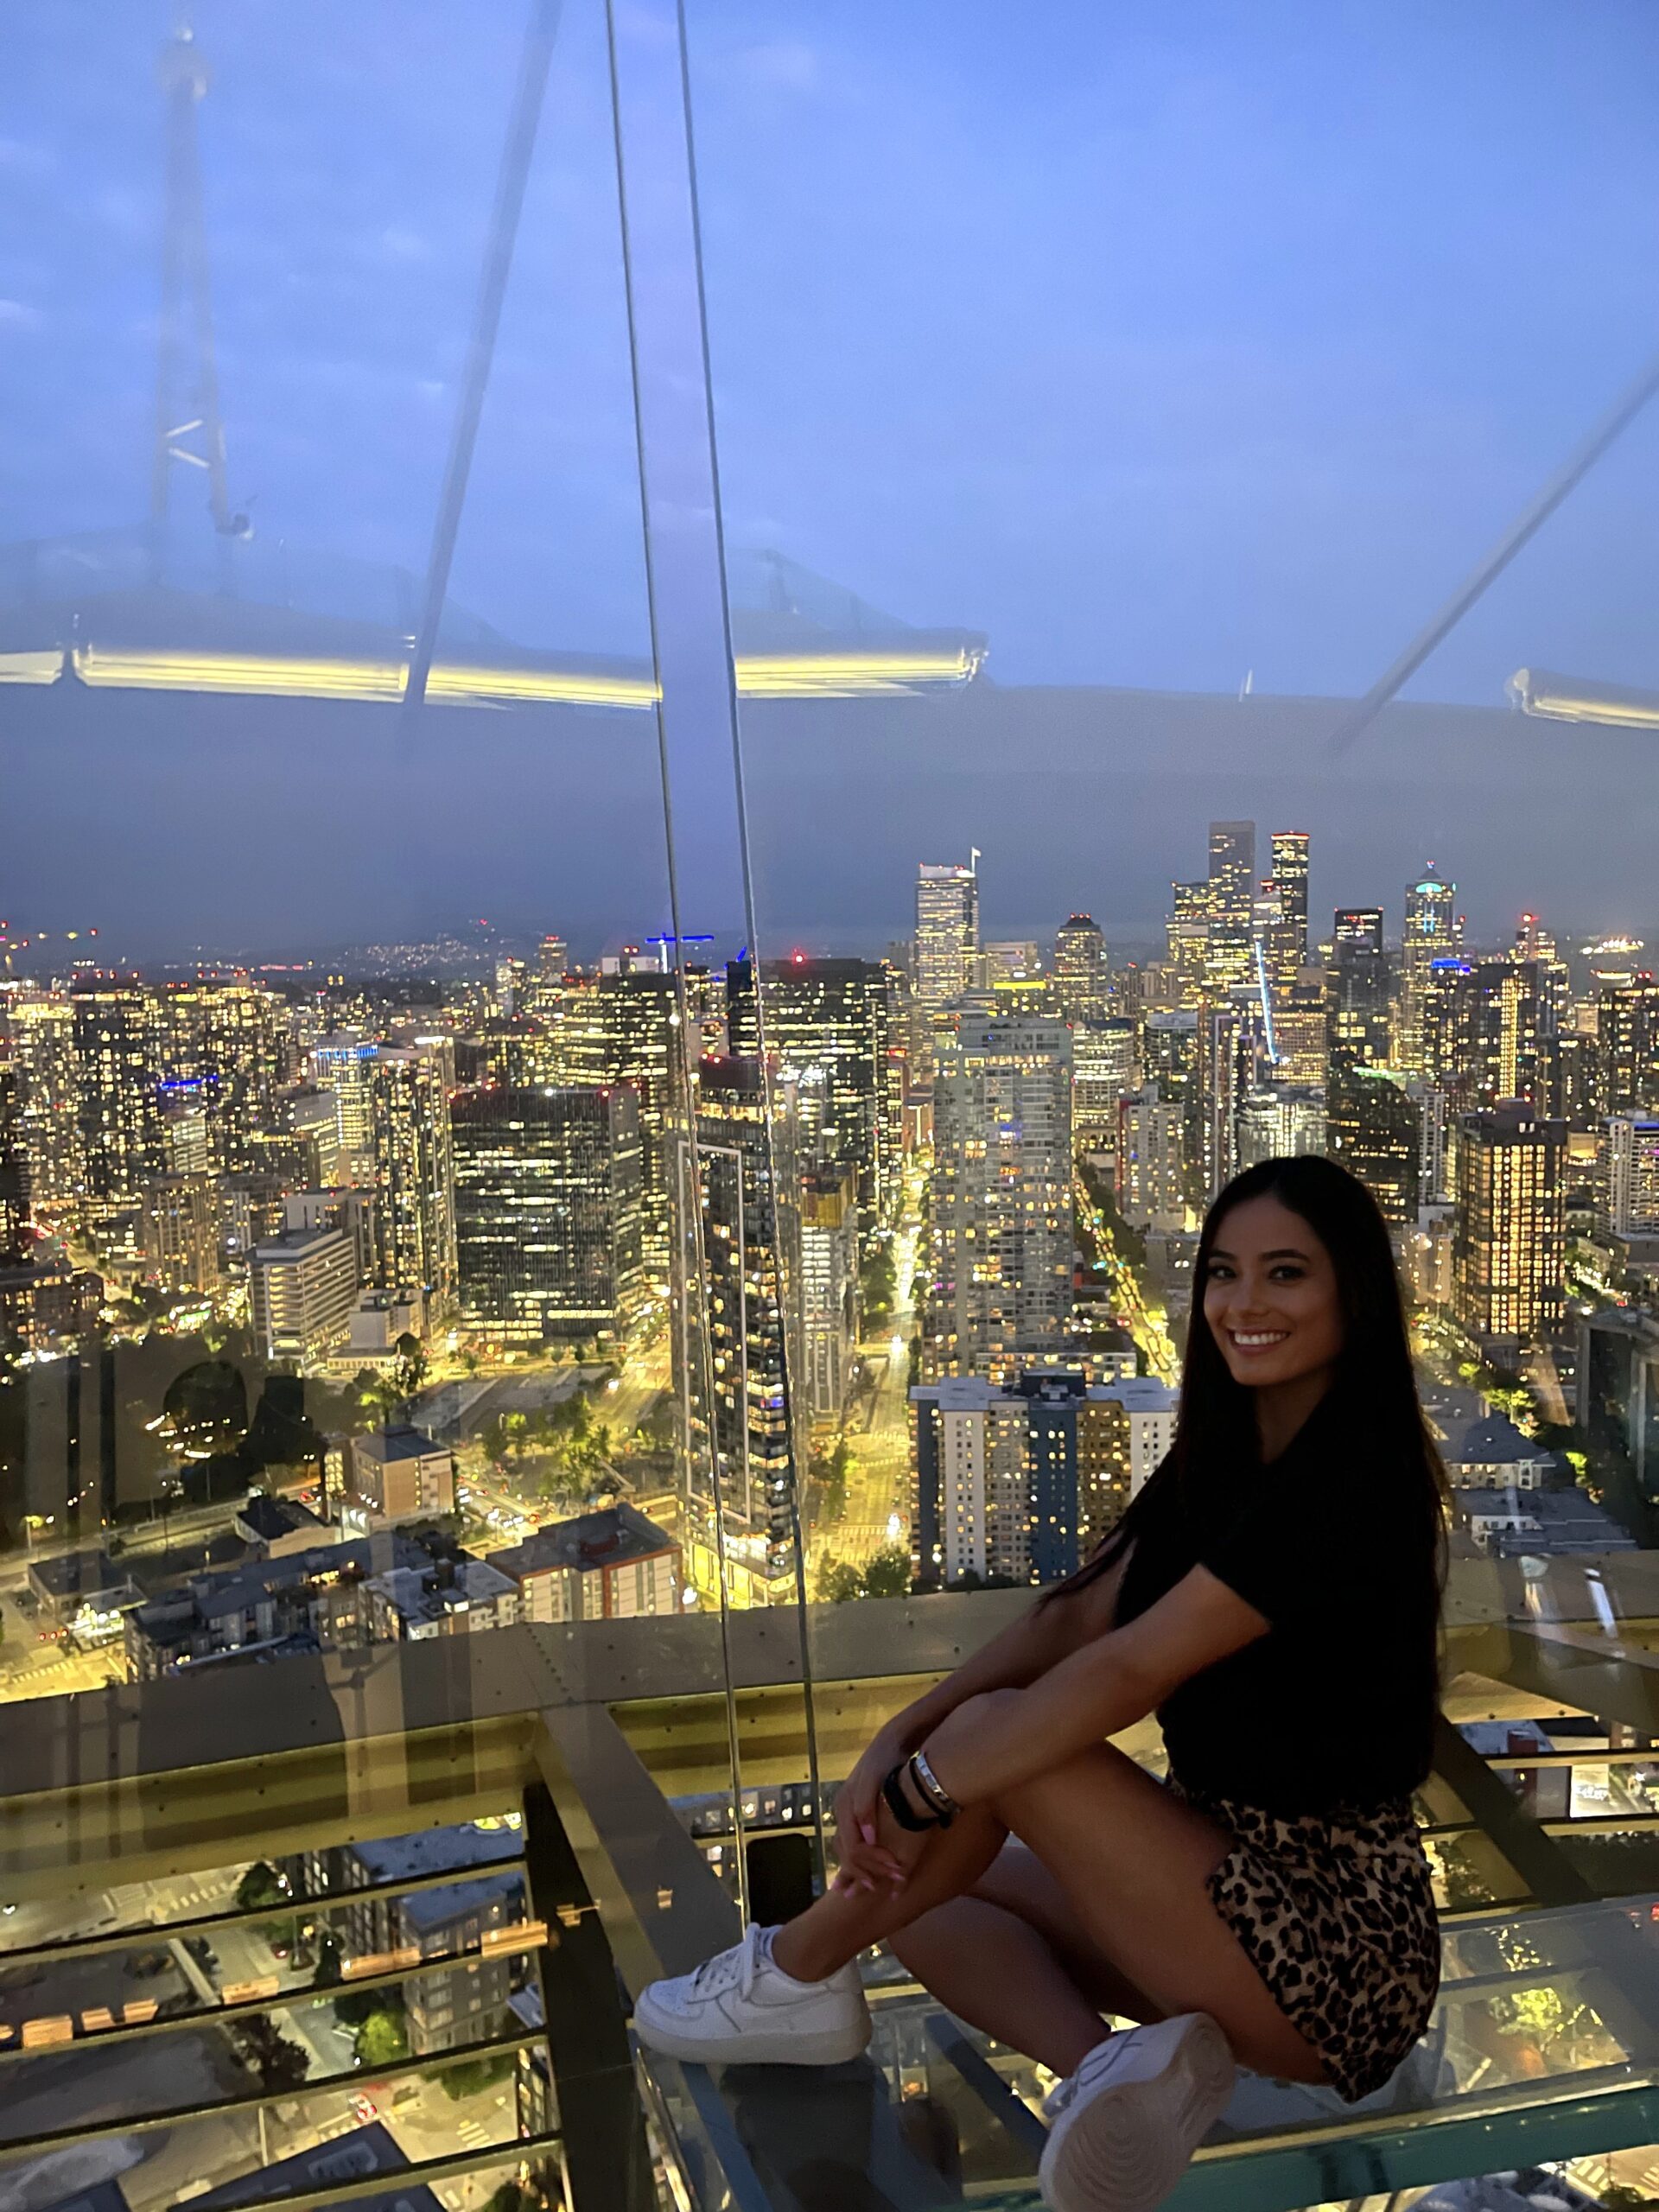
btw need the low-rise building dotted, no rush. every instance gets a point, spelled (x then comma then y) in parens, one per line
(272, 1528)
(361, 2154)
(302, 1288)
(449, 1595)
(1551, 1524)
(397, 1474)
(607, 1566)
(1492, 1455)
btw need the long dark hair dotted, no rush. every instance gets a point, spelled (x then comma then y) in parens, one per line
(1373, 1392)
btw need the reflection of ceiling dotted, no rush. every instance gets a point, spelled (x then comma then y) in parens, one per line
(1573, 699)
(89, 610)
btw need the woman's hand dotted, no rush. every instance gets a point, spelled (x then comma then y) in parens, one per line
(864, 1827)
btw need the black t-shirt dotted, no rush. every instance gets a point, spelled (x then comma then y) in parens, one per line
(1335, 1547)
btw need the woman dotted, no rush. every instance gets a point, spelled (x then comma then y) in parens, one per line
(1272, 1595)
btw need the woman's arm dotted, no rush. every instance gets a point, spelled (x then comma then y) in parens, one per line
(980, 1749)
(1041, 1639)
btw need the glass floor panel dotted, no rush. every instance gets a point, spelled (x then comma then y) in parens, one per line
(1544, 2044)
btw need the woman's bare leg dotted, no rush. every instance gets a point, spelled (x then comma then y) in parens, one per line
(1133, 1863)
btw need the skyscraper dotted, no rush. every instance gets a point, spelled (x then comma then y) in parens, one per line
(1286, 949)
(119, 1041)
(1358, 1006)
(832, 1015)
(43, 1031)
(1232, 904)
(747, 1425)
(1627, 1178)
(1001, 1245)
(14, 1193)
(1081, 983)
(1430, 934)
(1509, 1244)
(548, 1212)
(343, 1063)
(1627, 1037)
(947, 932)
(1375, 1128)
(414, 1169)
(1499, 1034)
(625, 1028)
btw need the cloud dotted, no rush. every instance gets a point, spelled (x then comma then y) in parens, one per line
(17, 314)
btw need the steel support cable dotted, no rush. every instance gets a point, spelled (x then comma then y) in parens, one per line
(1525, 526)
(516, 156)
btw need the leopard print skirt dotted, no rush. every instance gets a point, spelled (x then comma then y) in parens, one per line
(1337, 1912)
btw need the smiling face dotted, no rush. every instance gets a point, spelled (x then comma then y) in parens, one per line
(1270, 1297)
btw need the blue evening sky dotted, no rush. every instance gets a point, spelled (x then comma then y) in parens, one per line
(1159, 340)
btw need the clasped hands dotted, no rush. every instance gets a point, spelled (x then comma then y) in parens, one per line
(873, 1851)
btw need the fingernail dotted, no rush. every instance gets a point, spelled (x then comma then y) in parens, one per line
(867, 1832)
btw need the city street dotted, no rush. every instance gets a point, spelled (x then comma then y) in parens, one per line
(877, 1511)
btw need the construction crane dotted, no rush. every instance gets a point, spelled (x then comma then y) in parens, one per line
(189, 432)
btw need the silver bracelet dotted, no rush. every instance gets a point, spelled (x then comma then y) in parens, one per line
(931, 1787)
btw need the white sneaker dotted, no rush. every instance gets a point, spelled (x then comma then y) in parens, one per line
(1122, 2128)
(739, 2007)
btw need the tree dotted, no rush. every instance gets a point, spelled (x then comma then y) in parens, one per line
(471, 2075)
(887, 1574)
(261, 1885)
(383, 2039)
(267, 2053)
(327, 1974)
(840, 1581)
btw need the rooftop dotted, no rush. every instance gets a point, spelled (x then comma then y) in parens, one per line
(610, 1537)
(402, 1442)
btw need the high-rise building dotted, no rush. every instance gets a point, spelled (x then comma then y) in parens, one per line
(232, 1044)
(1231, 956)
(1287, 945)
(826, 1293)
(745, 1426)
(625, 1029)
(947, 932)
(1374, 1128)
(1105, 1067)
(1627, 1175)
(1277, 1121)
(42, 1027)
(302, 1289)
(1001, 1244)
(342, 1062)
(1151, 1178)
(548, 1212)
(1509, 1245)
(832, 1015)
(181, 1230)
(1358, 1004)
(119, 1043)
(1169, 1056)
(414, 1170)
(1019, 1481)
(1430, 933)
(1496, 1046)
(15, 1239)
(1082, 978)
(1627, 1036)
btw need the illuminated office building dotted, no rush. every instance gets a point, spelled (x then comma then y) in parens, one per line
(302, 1286)
(1105, 1067)
(1169, 1060)
(1627, 1175)
(42, 1027)
(1509, 1245)
(947, 961)
(1186, 935)
(745, 1426)
(181, 1230)
(548, 1212)
(1496, 1047)
(342, 1063)
(1627, 1036)
(1020, 1481)
(119, 1043)
(1152, 1181)
(1082, 979)
(1277, 1121)
(1358, 1005)
(1374, 1128)
(1233, 1062)
(414, 1170)
(1430, 933)
(833, 1015)
(625, 1029)
(1002, 1194)
(825, 1292)
(1286, 943)
(1231, 951)
(15, 1238)
(234, 1044)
